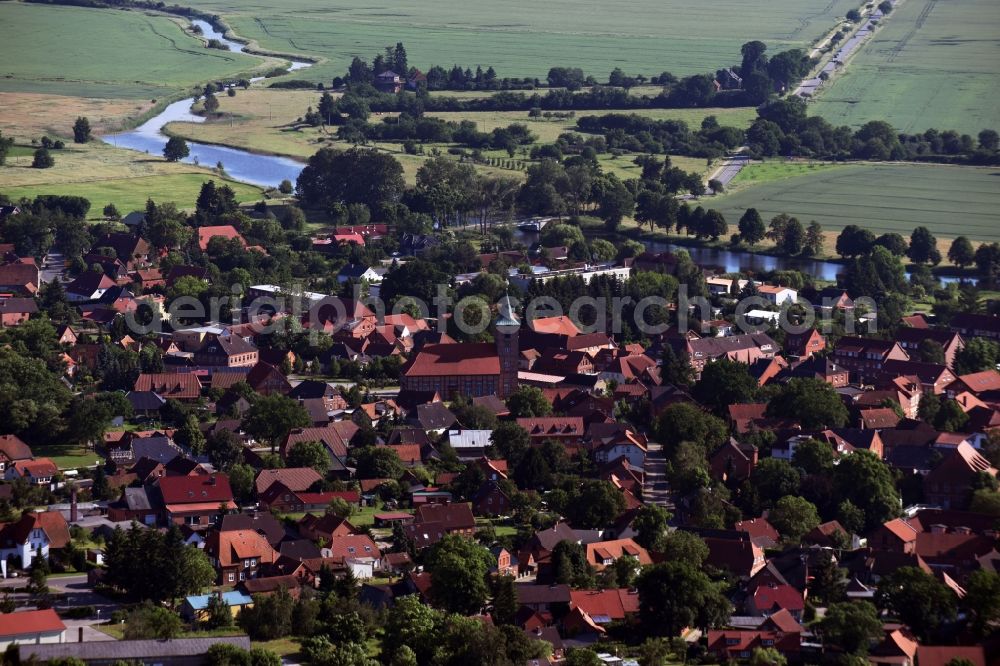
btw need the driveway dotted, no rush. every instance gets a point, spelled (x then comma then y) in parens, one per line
(656, 489)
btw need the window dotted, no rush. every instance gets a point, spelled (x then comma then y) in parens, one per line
(243, 576)
(253, 562)
(246, 564)
(232, 576)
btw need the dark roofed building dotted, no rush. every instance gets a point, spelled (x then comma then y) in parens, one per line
(171, 652)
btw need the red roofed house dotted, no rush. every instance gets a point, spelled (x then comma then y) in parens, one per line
(768, 599)
(19, 278)
(565, 429)
(13, 449)
(895, 535)
(16, 311)
(38, 472)
(195, 500)
(33, 534)
(805, 344)
(432, 521)
(325, 527)
(238, 554)
(226, 231)
(601, 554)
(358, 547)
(33, 627)
(867, 356)
(562, 325)
(594, 608)
(738, 645)
(296, 479)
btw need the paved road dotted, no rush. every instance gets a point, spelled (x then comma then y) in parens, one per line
(53, 267)
(730, 167)
(656, 490)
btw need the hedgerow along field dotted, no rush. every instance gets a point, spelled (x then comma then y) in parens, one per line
(932, 64)
(525, 38)
(105, 53)
(948, 200)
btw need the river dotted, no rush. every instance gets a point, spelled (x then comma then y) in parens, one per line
(263, 170)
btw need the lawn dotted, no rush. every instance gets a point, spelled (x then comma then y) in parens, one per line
(526, 38)
(68, 456)
(70, 50)
(949, 200)
(105, 174)
(932, 64)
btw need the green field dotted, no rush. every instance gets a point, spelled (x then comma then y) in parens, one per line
(933, 64)
(526, 38)
(129, 194)
(105, 53)
(949, 200)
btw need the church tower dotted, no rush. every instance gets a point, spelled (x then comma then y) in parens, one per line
(507, 328)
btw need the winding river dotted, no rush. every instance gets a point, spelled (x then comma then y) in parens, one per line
(269, 171)
(263, 170)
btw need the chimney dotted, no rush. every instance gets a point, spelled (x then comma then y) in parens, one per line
(80, 635)
(73, 517)
(938, 529)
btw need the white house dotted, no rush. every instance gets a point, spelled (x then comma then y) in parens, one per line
(778, 295)
(358, 273)
(31, 628)
(469, 444)
(37, 472)
(34, 534)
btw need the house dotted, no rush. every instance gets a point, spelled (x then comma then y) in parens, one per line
(135, 504)
(170, 652)
(833, 298)
(238, 554)
(129, 248)
(867, 357)
(948, 484)
(602, 554)
(778, 296)
(389, 82)
(295, 479)
(950, 341)
(605, 606)
(12, 449)
(733, 462)
(195, 608)
(804, 344)
(358, 273)
(354, 548)
(229, 351)
(746, 348)
(33, 534)
(490, 500)
(933, 377)
(971, 325)
(822, 368)
(19, 277)
(88, 286)
(31, 628)
(562, 429)
(195, 500)
(627, 444)
(16, 311)
(432, 521)
(739, 644)
(561, 325)
(182, 386)
(325, 528)
(469, 444)
(335, 436)
(37, 471)
(226, 231)
(279, 498)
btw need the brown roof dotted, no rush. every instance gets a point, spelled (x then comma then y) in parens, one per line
(52, 522)
(562, 325)
(450, 516)
(233, 546)
(934, 655)
(444, 360)
(196, 489)
(177, 385)
(227, 231)
(296, 479)
(27, 623)
(13, 448)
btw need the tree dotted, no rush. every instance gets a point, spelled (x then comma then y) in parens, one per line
(570, 566)
(269, 617)
(505, 602)
(81, 130)
(683, 546)
(111, 212)
(219, 614)
(532, 471)
(918, 599)
(828, 583)
(867, 482)
(675, 595)
(751, 227)
(224, 449)
(148, 621)
(854, 240)
(594, 504)
(286, 187)
(923, 247)
(650, 525)
(813, 457)
(773, 479)
(812, 402)
(190, 435)
(767, 657)
(309, 454)
(961, 252)
(241, 480)
(528, 401)
(271, 417)
(582, 657)
(978, 354)
(930, 351)
(982, 600)
(893, 242)
(725, 383)
(851, 626)
(793, 517)
(989, 139)
(351, 176)
(176, 149)
(42, 159)
(378, 462)
(950, 416)
(458, 568)
(5, 144)
(684, 422)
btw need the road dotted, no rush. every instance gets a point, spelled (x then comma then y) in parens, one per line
(53, 267)
(728, 170)
(70, 591)
(656, 489)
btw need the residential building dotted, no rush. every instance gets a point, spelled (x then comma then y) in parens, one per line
(778, 295)
(34, 534)
(16, 311)
(866, 357)
(171, 652)
(28, 629)
(238, 554)
(195, 500)
(948, 484)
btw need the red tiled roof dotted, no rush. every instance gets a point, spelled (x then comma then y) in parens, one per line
(196, 489)
(14, 448)
(296, 479)
(27, 623)
(767, 598)
(934, 655)
(444, 360)
(559, 325)
(227, 231)
(614, 604)
(353, 545)
(178, 385)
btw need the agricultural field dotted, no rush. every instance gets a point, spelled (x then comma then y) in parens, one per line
(84, 52)
(524, 38)
(104, 174)
(949, 200)
(933, 64)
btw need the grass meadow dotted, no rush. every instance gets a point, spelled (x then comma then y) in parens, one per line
(933, 64)
(105, 53)
(526, 38)
(105, 174)
(949, 200)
